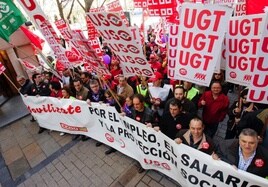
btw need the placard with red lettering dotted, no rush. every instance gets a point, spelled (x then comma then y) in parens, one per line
(140, 4)
(58, 50)
(162, 8)
(40, 20)
(258, 89)
(92, 32)
(76, 53)
(201, 32)
(122, 43)
(2, 68)
(115, 6)
(240, 8)
(242, 41)
(173, 42)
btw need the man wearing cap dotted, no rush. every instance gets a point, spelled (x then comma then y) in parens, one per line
(155, 64)
(160, 93)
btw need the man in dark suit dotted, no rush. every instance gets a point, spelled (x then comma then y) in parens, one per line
(245, 153)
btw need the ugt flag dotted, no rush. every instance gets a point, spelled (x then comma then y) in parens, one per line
(10, 19)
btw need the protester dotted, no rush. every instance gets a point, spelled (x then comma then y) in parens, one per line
(124, 90)
(25, 84)
(142, 89)
(192, 93)
(55, 89)
(175, 120)
(219, 76)
(187, 105)
(155, 64)
(81, 94)
(245, 153)
(215, 106)
(96, 94)
(160, 93)
(67, 93)
(39, 88)
(195, 137)
(85, 77)
(236, 112)
(141, 114)
(128, 106)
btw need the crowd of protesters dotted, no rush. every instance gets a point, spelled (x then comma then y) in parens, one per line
(175, 112)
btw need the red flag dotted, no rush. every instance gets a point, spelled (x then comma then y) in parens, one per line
(35, 40)
(2, 68)
(255, 7)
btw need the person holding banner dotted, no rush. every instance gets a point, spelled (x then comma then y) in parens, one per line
(39, 88)
(215, 106)
(142, 114)
(195, 137)
(245, 153)
(81, 94)
(175, 120)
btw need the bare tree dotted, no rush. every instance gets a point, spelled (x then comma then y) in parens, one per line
(87, 5)
(61, 5)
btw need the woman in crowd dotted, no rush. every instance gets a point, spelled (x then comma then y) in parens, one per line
(237, 111)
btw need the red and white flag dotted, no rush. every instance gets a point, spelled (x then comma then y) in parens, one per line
(27, 65)
(2, 68)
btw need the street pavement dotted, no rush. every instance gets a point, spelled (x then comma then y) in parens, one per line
(48, 159)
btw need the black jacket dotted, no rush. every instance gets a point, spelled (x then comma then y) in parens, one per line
(228, 151)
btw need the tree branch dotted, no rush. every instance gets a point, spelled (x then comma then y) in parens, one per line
(71, 9)
(81, 6)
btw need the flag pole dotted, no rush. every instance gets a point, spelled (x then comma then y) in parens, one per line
(11, 81)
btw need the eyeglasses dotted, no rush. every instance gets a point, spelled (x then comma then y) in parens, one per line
(217, 73)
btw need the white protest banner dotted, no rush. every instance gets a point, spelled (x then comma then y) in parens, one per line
(38, 17)
(152, 149)
(115, 6)
(242, 41)
(122, 43)
(201, 32)
(258, 89)
(173, 42)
